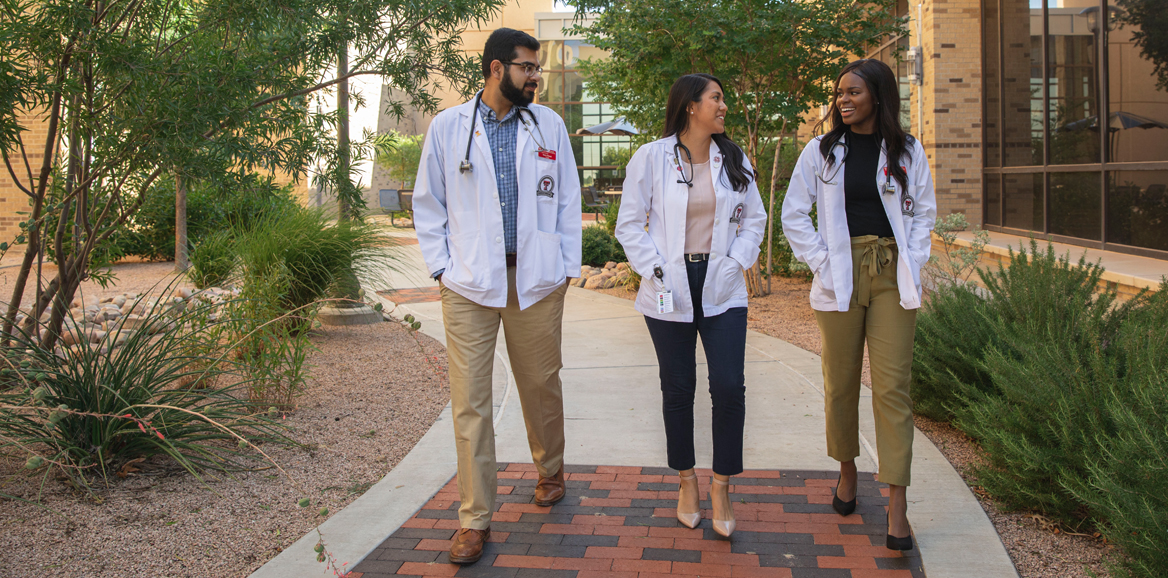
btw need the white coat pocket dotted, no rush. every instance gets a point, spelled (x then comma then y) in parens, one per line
(823, 289)
(730, 280)
(466, 267)
(549, 260)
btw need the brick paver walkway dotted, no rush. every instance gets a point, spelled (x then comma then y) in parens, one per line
(620, 522)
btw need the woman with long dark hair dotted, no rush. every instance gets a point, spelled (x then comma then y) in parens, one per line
(705, 223)
(876, 209)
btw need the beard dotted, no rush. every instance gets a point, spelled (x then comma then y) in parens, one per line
(516, 95)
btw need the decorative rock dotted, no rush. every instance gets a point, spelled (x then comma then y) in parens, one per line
(580, 282)
(111, 314)
(69, 338)
(360, 315)
(610, 265)
(184, 293)
(108, 300)
(596, 281)
(622, 266)
(96, 336)
(120, 300)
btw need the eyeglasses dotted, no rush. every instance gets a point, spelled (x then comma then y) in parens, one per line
(531, 70)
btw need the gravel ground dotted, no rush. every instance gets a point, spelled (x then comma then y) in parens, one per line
(1037, 548)
(375, 391)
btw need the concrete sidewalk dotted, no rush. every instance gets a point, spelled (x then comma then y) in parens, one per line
(612, 405)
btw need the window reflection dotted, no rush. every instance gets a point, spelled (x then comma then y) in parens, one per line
(1024, 206)
(1137, 209)
(992, 101)
(1138, 82)
(993, 200)
(1075, 205)
(1022, 83)
(1073, 104)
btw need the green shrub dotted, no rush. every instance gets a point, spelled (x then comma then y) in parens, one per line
(212, 260)
(86, 412)
(1066, 392)
(953, 333)
(306, 255)
(1038, 296)
(289, 262)
(597, 246)
(610, 215)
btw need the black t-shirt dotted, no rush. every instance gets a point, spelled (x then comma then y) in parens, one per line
(865, 211)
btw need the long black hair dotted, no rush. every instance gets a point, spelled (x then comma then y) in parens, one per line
(689, 89)
(882, 86)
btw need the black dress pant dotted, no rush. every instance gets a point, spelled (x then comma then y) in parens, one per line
(724, 341)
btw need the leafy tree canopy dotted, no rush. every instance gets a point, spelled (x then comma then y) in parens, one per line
(775, 57)
(131, 89)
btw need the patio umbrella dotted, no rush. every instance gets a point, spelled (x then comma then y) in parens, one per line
(1116, 121)
(618, 126)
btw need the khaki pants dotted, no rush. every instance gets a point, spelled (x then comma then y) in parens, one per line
(533, 342)
(875, 316)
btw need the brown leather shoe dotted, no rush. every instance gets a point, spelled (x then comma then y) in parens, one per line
(550, 490)
(468, 545)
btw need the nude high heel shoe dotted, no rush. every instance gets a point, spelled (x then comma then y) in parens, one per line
(723, 520)
(688, 498)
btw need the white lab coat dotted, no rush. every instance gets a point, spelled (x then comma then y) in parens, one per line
(828, 251)
(460, 223)
(651, 188)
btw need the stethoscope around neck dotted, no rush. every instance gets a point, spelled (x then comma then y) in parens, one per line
(830, 180)
(466, 165)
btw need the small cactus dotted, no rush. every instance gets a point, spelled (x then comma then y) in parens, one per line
(304, 502)
(34, 462)
(322, 512)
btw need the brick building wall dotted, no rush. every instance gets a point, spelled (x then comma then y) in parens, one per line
(952, 111)
(11, 198)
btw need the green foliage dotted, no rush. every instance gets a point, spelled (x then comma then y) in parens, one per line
(611, 212)
(211, 208)
(775, 58)
(956, 263)
(597, 246)
(303, 256)
(1064, 389)
(1148, 20)
(401, 154)
(86, 412)
(783, 260)
(212, 260)
(202, 89)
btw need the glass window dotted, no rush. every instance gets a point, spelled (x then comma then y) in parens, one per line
(993, 199)
(1022, 81)
(1137, 209)
(573, 87)
(1023, 201)
(1137, 86)
(992, 101)
(1075, 205)
(1073, 101)
(551, 87)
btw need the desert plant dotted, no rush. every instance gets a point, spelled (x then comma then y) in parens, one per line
(88, 408)
(401, 154)
(596, 246)
(610, 214)
(956, 263)
(212, 260)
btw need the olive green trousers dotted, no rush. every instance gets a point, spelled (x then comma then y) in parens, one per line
(875, 317)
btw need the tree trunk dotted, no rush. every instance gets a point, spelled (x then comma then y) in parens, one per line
(181, 262)
(343, 134)
(771, 206)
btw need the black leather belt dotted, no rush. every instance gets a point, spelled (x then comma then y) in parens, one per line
(696, 257)
(510, 259)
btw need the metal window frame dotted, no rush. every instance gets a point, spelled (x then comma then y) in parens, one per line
(1104, 168)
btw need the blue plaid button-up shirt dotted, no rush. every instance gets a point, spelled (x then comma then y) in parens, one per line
(503, 136)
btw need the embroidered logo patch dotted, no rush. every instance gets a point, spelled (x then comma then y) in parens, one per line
(547, 187)
(736, 217)
(907, 205)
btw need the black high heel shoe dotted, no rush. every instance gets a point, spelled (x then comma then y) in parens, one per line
(844, 508)
(894, 543)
